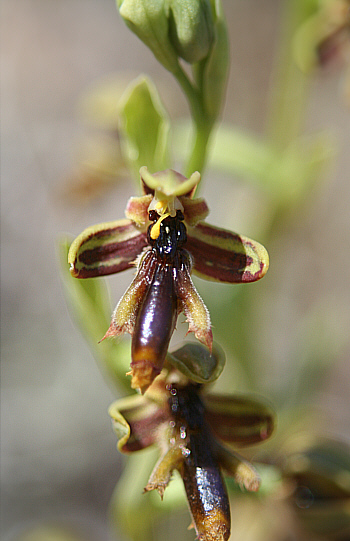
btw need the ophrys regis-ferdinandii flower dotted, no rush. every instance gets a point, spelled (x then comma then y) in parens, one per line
(165, 235)
(195, 432)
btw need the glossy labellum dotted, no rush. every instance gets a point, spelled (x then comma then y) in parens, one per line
(200, 471)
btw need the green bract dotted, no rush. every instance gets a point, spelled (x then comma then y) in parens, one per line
(144, 126)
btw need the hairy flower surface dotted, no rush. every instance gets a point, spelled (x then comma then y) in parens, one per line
(194, 432)
(165, 234)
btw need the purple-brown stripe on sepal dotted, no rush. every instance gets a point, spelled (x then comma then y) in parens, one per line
(143, 431)
(106, 248)
(238, 420)
(224, 256)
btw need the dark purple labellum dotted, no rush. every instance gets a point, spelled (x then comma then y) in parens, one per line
(204, 485)
(156, 317)
(155, 323)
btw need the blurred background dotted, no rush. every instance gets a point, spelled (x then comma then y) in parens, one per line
(58, 456)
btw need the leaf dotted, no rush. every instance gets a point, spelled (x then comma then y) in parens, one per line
(145, 127)
(89, 303)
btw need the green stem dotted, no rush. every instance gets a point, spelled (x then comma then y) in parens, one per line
(290, 85)
(198, 157)
(202, 125)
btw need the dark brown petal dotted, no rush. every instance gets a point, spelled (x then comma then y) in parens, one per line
(136, 422)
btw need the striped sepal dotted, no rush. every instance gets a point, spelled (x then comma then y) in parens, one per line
(224, 256)
(239, 421)
(105, 249)
(136, 421)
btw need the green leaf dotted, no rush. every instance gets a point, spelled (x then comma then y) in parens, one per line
(89, 303)
(145, 127)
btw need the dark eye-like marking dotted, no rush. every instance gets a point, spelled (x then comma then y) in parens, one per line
(153, 215)
(167, 235)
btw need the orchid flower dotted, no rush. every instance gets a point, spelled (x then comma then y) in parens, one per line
(165, 235)
(195, 432)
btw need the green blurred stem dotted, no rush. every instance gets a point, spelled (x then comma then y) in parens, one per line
(202, 124)
(290, 85)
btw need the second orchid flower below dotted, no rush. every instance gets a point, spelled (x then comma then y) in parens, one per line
(166, 235)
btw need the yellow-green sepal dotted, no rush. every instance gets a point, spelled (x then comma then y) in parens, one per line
(197, 363)
(105, 248)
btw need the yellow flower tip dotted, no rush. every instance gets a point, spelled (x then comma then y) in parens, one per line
(216, 527)
(265, 260)
(143, 373)
(160, 488)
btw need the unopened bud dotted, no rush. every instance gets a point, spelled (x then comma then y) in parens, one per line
(191, 28)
